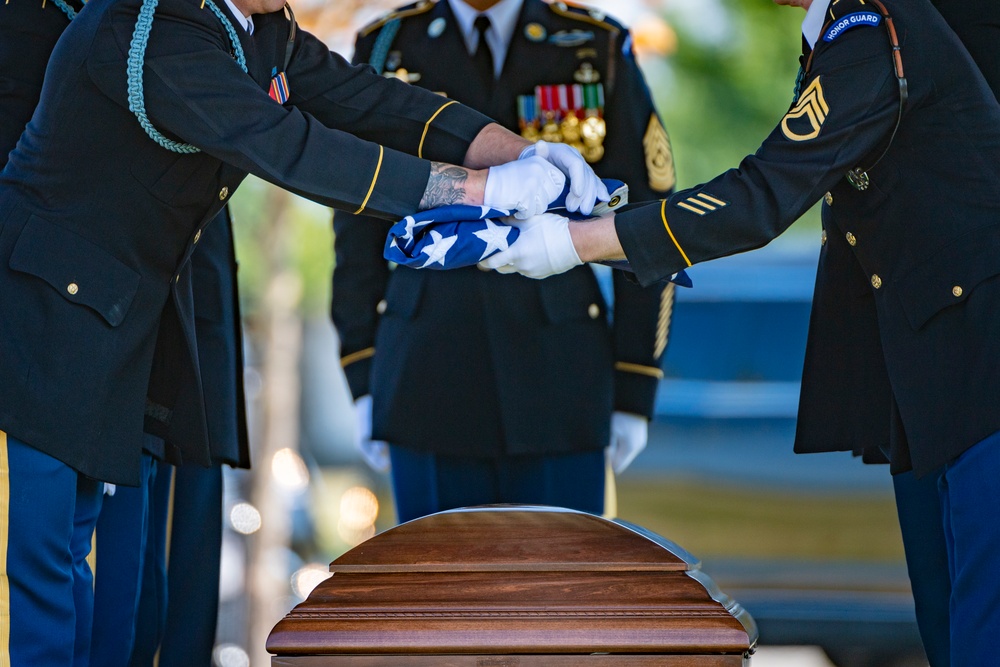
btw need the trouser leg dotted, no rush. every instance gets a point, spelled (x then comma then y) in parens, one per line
(47, 517)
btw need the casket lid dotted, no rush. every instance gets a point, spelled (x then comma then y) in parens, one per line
(506, 580)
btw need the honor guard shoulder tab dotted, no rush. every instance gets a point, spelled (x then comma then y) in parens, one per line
(409, 10)
(587, 15)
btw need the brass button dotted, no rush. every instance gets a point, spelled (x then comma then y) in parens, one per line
(828, 198)
(876, 281)
(72, 288)
(177, 278)
(822, 238)
(380, 308)
(223, 193)
(957, 290)
(594, 311)
(197, 236)
(851, 239)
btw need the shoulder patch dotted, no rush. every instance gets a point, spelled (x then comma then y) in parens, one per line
(403, 12)
(852, 20)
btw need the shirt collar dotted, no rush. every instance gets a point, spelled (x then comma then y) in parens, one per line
(503, 20)
(813, 23)
(246, 22)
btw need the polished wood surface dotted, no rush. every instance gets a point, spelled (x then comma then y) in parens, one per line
(524, 586)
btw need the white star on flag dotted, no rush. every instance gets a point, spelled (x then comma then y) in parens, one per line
(410, 224)
(438, 249)
(494, 236)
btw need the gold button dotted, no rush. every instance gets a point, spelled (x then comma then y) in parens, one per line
(223, 193)
(197, 236)
(876, 281)
(851, 239)
(380, 308)
(594, 311)
(177, 278)
(822, 238)
(828, 198)
(957, 290)
(72, 288)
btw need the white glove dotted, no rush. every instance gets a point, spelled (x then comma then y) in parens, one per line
(585, 188)
(629, 434)
(374, 452)
(109, 489)
(543, 248)
(525, 186)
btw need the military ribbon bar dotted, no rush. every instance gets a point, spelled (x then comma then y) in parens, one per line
(279, 86)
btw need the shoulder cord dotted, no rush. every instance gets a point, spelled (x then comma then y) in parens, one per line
(137, 57)
(858, 176)
(66, 8)
(382, 44)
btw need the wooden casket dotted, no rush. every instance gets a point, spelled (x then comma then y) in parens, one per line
(515, 586)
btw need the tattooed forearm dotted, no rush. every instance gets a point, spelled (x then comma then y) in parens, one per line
(446, 185)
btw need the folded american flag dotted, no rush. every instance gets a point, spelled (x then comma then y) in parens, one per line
(456, 236)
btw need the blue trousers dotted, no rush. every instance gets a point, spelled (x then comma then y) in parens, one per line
(425, 483)
(970, 507)
(47, 516)
(131, 539)
(149, 601)
(918, 503)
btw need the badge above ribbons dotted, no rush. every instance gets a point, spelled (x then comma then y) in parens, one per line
(457, 236)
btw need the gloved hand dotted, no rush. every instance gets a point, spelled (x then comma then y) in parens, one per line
(526, 187)
(629, 434)
(374, 452)
(585, 188)
(543, 248)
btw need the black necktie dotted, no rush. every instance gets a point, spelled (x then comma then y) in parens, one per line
(482, 59)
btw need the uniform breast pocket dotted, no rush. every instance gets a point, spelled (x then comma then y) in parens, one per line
(80, 271)
(950, 277)
(175, 179)
(572, 296)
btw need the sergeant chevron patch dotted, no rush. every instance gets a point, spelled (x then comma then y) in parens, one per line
(659, 157)
(804, 121)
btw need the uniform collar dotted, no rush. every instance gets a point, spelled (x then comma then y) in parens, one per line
(813, 23)
(503, 20)
(246, 22)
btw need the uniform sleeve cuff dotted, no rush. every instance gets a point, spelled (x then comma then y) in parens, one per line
(358, 374)
(449, 132)
(398, 185)
(635, 393)
(651, 252)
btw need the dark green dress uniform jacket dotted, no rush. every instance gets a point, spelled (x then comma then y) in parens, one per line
(904, 340)
(98, 222)
(482, 364)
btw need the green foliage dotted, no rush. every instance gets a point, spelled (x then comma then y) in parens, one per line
(725, 95)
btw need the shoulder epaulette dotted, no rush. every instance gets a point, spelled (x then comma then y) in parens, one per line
(409, 10)
(591, 16)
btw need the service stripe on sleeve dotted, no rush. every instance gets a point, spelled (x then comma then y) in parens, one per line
(651, 371)
(663, 215)
(351, 358)
(371, 189)
(4, 538)
(427, 126)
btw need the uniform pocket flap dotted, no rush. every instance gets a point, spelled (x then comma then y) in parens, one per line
(76, 268)
(950, 276)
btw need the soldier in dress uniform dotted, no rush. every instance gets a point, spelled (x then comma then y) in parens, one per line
(128, 537)
(138, 140)
(493, 388)
(904, 342)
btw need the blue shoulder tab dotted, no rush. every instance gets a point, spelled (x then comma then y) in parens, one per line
(852, 20)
